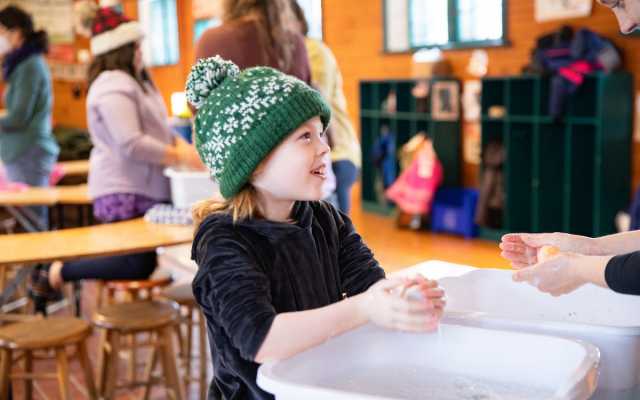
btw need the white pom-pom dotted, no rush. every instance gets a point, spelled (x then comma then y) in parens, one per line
(206, 76)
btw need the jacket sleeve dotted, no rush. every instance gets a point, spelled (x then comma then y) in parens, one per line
(25, 87)
(622, 273)
(231, 286)
(119, 113)
(358, 268)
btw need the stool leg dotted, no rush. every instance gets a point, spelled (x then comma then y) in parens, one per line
(5, 370)
(111, 294)
(101, 372)
(77, 298)
(203, 349)
(87, 369)
(133, 356)
(148, 374)
(112, 364)
(63, 373)
(28, 368)
(99, 294)
(188, 348)
(169, 363)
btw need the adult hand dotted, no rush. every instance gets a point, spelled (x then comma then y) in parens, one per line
(563, 273)
(521, 249)
(187, 155)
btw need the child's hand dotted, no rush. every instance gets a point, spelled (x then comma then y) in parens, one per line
(386, 304)
(419, 288)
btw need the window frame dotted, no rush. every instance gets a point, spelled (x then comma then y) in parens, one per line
(177, 56)
(453, 24)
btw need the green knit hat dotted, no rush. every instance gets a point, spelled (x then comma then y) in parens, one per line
(243, 116)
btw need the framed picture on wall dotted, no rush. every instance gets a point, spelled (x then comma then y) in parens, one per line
(548, 10)
(50, 15)
(445, 101)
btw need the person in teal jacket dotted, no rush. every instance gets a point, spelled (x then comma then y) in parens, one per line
(28, 149)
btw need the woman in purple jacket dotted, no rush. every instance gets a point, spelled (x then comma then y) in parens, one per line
(133, 143)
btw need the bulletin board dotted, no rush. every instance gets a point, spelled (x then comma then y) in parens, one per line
(54, 16)
(548, 10)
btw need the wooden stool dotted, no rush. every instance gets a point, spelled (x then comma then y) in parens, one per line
(154, 317)
(183, 295)
(54, 333)
(134, 289)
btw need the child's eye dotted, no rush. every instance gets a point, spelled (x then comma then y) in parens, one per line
(306, 136)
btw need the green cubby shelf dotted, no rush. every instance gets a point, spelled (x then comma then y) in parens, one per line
(571, 174)
(408, 119)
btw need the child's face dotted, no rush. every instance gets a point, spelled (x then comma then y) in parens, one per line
(627, 12)
(296, 169)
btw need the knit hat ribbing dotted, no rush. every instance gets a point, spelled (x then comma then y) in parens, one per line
(243, 116)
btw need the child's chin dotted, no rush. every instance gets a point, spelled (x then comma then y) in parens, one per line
(312, 196)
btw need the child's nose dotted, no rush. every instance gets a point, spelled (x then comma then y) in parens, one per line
(323, 147)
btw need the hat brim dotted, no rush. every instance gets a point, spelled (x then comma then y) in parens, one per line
(125, 33)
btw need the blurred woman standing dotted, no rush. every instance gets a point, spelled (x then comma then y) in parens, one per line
(28, 149)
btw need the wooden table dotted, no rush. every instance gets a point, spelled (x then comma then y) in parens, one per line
(136, 235)
(46, 196)
(75, 168)
(127, 237)
(16, 202)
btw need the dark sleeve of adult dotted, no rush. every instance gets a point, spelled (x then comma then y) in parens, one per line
(231, 286)
(358, 268)
(622, 273)
(301, 67)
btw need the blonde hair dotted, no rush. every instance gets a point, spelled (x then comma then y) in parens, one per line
(243, 205)
(275, 17)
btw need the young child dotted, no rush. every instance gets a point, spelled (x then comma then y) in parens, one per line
(279, 271)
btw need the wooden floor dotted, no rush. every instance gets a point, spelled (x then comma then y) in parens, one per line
(398, 248)
(394, 249)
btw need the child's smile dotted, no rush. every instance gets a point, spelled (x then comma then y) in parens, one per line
(320, 171)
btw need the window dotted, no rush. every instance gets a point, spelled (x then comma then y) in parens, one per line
(159, 22)
(412, 24)
(479, 20)
(202, 25)
(313, 12)
(428, 22)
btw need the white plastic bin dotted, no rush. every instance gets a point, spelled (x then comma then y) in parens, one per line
(489, 298)
(456, 363)
(189, 187)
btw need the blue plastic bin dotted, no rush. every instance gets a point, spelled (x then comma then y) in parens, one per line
(182, 126)
(454, 211)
